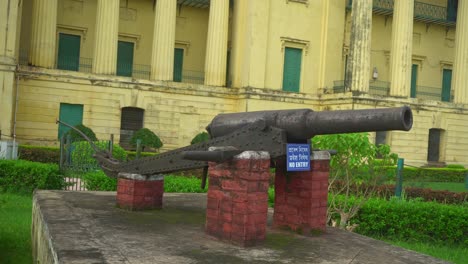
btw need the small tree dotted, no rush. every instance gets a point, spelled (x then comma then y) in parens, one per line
(200, 137)
(75, 136)
(354, 173)
(148, 139)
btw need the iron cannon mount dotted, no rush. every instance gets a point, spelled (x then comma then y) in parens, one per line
(256, 131)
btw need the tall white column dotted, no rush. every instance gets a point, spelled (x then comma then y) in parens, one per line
(216, 47)
(43, 35)
(358, 68)
(162, 60)
(460, 65)
(402, 48)
(107, 37)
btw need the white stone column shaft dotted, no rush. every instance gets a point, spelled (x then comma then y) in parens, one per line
(460, 65)
(358, 69)
(107, 37)
(216, 47)
(43, 33)
(402, 47)
(162, 60)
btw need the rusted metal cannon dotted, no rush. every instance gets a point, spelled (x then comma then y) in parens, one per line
(259, 131)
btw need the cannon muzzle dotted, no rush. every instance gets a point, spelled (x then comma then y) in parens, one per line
(302, 124)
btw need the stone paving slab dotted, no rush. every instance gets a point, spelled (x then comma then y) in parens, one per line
(87, 227)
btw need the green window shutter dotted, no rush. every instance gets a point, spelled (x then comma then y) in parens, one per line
(446, 85)
(71, 114)
(178, 63)
(125, 58)
(69, 52)
(414, 79)
(292, 69)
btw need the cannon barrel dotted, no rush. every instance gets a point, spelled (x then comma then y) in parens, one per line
(302, 124)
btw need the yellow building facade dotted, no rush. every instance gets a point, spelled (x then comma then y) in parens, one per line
(172, 65)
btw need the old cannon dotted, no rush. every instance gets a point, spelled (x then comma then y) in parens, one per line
(258, 131)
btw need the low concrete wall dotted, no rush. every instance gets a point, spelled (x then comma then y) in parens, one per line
(42, 246)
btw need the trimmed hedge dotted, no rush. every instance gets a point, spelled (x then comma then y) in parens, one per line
(52, 154)
(25, 176)
(431, 174)
(413, 221)
(98, 181)
(39, 154)
(388, 191)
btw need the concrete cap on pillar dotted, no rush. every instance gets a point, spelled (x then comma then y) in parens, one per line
(320, 155)
(249, 154)
(139, 177)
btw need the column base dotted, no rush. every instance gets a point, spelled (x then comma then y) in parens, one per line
(137, 192)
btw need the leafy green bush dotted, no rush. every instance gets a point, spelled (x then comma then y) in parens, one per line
(413, 221)
(200, 137)
(131, 155)
(74, 136)
(174, 183)
(39, 154)
(82, 154)
(98, 181)
(148, 139)
(25, 176)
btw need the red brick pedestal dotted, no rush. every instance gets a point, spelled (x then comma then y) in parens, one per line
(136, 192)
(301, 197)
(238, 198)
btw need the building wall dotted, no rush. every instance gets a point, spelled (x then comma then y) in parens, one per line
(258, 32)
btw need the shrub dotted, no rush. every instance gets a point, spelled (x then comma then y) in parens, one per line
(74, 136)
(148, 139)
(173, 183)
(39, 154)
(429, 174)
(98, 181)
(200, 137)
(131, 155)
(388, 191)
(455, 166)
(82, 154)
(413, 221)
(25, 176)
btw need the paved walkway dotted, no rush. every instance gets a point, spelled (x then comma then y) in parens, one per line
(87, 227)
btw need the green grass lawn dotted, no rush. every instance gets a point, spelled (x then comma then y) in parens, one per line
(15, 228)
(440, 186)
(455, 254)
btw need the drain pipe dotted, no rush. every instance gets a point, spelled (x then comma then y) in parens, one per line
(15, 149)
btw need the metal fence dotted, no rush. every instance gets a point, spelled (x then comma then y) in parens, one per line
(375, 87)
(76, 158)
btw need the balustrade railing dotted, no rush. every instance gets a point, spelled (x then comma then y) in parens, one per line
(424, 12)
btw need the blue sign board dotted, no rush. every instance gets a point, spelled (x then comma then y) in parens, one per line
(298, 157)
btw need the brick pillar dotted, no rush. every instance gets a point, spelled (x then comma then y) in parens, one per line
(301, 197)
(136, 192)
(238, 198)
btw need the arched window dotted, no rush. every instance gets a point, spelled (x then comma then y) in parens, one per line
(131, 121)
